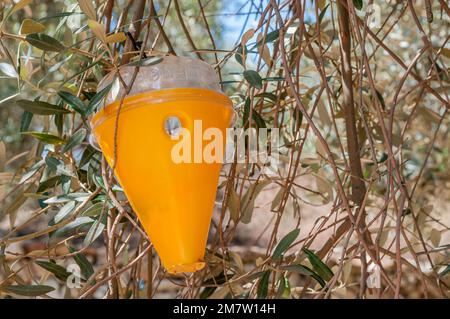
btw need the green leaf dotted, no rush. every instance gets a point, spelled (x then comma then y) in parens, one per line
(246, 111)
(275, 78)
(297, 120)
(263, 286)
(52, 163)
(253, 78)
(57, 166)
(94, 167)
(44, 42)
(240, 53)
(93, 233)
(284, 244)
(322, 13)
(96, 99)
(358, 4)
(94, 210)
(25, 121)
(64, 212)
(46, 138)
(75, 139)
(85, 266)
(260, 123)
(301, 269)
(79, 197)
(80, 221)
(59, 271)
(270, 37)
(65, 183)
(59, 123)
(28, 290)
(41, 108)
(380, 97)
(73, 101)
(33, 169)
(319, 266)
(208, 291)
(59, 15)
(255, 275)
(257, 118)
(284, 288)
(51, 182)
(87, 155)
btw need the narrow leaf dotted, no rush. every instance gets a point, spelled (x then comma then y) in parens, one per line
(73, 101)
(272, 36)
(284, 244)
(41, 108)
(93, 233)
(94, 210)
(28, 290)
(25, 121)
(319, 266)
(59, 271)
(85, 266)
(80, 221)
(240, 54)
(44, 42)
(51, 182)
(301, 269)
(263, 286)
(65, 183)
(253, 78)
(322, 13)
(46, 138)
(75, 139)
(97, 99)
(64, 212)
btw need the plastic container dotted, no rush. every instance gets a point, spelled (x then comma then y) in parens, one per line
(174, 201)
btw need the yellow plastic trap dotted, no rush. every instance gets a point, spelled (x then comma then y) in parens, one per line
(174, 201)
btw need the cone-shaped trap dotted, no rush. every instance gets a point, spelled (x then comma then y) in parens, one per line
(171, 191)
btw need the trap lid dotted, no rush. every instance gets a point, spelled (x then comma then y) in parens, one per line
(158, 73)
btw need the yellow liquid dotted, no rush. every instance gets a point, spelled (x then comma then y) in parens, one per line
(174, 202)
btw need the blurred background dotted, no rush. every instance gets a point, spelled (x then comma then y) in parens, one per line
(399, 75)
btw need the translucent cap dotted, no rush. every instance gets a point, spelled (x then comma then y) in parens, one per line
(166, 72)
